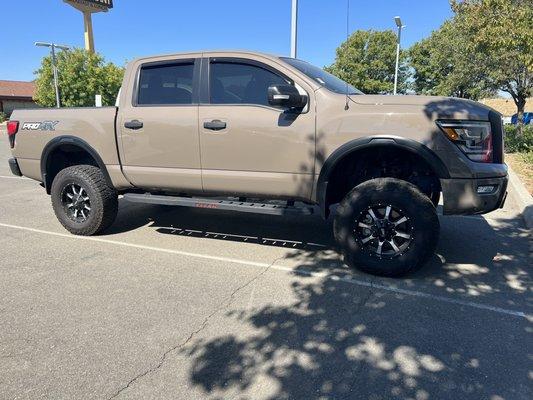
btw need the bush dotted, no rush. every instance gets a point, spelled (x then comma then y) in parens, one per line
(3, 117)
(82, 75)
(515, 143)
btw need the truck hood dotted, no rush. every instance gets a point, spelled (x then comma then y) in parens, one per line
(435, 107)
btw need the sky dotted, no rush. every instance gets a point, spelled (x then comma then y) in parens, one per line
(136, 28)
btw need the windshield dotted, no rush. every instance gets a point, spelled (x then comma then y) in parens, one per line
(322, 77)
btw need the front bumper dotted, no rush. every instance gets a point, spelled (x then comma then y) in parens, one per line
(14, 166)
(461, 195)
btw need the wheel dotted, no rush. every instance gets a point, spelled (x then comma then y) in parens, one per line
(82, 200)
(386, 227)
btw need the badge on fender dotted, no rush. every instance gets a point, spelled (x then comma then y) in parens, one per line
(40, 126)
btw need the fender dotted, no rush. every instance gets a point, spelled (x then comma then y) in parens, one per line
(75, 141)
(364, 143)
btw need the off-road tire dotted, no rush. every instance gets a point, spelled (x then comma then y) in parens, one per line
(404, 196)
(103, 199)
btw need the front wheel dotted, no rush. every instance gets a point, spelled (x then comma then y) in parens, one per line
(386, 227)
(83, 201)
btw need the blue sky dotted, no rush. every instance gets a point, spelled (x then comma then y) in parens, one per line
(130, 29)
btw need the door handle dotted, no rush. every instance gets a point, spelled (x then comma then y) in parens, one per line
(135, 124)
(215, 125)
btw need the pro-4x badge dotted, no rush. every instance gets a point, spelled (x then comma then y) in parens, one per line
(40, 126)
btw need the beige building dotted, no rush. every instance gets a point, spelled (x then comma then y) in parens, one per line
(506, 107)
(16, 94)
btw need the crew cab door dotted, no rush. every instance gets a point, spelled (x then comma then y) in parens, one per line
(247, 146)
(158, 125)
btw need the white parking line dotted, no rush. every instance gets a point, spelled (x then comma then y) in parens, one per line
(345, 279)
(12, 177)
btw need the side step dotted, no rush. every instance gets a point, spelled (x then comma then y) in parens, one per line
(217, 204)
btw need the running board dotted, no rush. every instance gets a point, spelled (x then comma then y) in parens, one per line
(217, 204)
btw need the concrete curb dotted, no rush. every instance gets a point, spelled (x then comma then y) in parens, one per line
(522, 197)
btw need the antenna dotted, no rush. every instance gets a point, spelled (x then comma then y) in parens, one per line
(347, 106)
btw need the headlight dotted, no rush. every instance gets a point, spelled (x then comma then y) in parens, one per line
(473, 138)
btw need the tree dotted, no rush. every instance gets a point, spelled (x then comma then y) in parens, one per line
(82, 75)
(500, 31)
(367, 61)
(442, 66)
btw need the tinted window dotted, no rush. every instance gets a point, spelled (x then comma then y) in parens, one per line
(322, 77)
(166, 84)
(239, 83)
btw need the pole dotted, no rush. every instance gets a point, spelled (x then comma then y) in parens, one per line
(53, 47)
(88, 25)
(397, 59)
(54, 69)
(294, 27)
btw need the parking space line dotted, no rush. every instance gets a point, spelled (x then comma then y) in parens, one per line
(13, 177)
(345, 279)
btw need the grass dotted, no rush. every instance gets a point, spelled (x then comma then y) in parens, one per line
(522, 164)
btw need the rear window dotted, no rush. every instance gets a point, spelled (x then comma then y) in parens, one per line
(166, 84)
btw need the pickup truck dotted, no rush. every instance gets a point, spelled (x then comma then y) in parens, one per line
(252, 132)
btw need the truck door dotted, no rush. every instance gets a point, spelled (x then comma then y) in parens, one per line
(249, 147)
(158, 126)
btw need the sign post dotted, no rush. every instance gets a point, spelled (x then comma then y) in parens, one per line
(88, 7)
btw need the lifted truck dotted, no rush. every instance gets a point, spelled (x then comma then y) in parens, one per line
(217, 129)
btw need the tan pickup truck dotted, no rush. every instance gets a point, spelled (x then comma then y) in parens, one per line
(257, 133)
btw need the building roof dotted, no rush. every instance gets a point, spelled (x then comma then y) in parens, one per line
(506, 106)
(17, 89)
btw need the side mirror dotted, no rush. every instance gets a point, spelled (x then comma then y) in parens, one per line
(286, 96)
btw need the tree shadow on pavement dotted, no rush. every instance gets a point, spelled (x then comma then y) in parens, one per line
(337, 340)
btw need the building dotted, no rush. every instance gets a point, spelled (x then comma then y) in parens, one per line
(16, 94)
(506, 106)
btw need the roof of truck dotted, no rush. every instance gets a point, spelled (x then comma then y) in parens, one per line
(207, 52)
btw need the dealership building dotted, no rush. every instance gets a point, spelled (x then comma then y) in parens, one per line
(16, 94)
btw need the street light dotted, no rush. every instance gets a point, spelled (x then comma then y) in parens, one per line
(400, 26)
(53, 47)
(294, 27)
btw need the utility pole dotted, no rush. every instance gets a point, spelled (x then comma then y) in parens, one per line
(400, 26)
(53, 47)
(294, 28)
(88, 7)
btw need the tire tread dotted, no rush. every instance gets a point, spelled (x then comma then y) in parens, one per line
(105, 204)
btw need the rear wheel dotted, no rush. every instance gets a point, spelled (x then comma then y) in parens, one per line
(82, 200)
(386, 227)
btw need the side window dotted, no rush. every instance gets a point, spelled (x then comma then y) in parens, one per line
(240, 83)
(166, 84)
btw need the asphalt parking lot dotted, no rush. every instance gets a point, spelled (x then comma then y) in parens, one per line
(189, 304)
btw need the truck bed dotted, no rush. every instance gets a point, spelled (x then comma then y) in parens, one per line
(39, 126)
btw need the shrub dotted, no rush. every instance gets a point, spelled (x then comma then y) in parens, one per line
(516, 143)
(3, 117)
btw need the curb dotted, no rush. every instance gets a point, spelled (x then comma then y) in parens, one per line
(522, 196)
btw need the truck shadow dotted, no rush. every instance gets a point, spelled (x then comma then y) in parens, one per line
(474, 260)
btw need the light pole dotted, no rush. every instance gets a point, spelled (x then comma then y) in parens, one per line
(400, 26)
(294, 27)
(53, 47)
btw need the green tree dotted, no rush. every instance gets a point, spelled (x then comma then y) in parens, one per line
(441, 65)
(501, 32)
(367, 61)
(82, 75)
